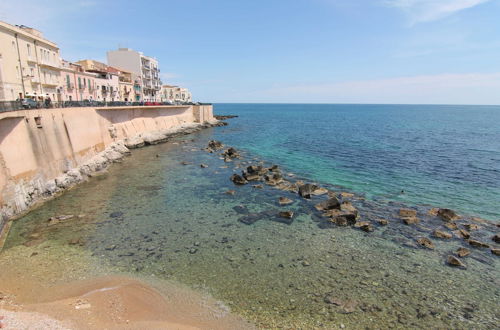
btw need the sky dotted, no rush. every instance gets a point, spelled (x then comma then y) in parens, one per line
(291, 51)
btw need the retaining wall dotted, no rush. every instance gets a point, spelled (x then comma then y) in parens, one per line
(38, 146)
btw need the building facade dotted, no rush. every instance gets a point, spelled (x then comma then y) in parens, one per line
(29, 64)
(175, 94)
(144, 67)
(107, 80)
(76, 84)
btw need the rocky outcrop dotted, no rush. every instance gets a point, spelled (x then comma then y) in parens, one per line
(238, 179)
(329, 204)
(306, 190)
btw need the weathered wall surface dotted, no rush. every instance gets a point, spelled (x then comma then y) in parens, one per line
(38, 146)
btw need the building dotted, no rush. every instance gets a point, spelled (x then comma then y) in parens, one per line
(175, 94)
(76, 84)
(107, 80)
(144, 67)
(29, 64)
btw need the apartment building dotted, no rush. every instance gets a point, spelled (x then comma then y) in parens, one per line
(170, 93)
(144, 67)
(29, 64)
(107, 80)
(76, 84)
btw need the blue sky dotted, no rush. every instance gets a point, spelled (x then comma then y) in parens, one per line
(327, 51)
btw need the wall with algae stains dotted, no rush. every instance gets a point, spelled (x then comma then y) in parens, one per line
(37, 146)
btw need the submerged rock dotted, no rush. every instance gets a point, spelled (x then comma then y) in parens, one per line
(286, 214)
(285, 201)
(447, 214)
(410, 220)
(441, 234)
(495, 251)
(471, 226)
(238, 179)
(496, 238)
(407, 213)
(256, 169)
(215, 145)
(365, 226)
(454, 261)
(462, 252)
(329, 204)
(347, 207)
(451, 225)
(241, 209)
(409, 216)
(344, 219)
(463, 233)
(230, 192)
(203, 165)
(383, 222)
(425, 242)
(346, 195)
(320, 191)
(478, 244)
(231, 153)
(274, 178)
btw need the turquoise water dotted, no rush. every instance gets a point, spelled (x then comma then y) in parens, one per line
(442, 155)
(152, 215)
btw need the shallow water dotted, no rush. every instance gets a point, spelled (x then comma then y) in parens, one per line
(151, 215)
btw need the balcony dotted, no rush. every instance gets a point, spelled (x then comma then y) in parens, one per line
(34, 80)
(49, 64)
(50, 84)
(31, 59)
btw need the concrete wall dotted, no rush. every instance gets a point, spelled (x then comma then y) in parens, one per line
(39, 145)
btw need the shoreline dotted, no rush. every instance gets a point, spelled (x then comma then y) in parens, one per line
(102, 299)
(309, 263)
(98, 164)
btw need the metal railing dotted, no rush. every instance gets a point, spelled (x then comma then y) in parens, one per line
(6, 106)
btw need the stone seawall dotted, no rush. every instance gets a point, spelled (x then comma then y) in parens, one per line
(43, 152)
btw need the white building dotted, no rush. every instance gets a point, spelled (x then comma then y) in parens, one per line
(169, 93)
(143, 66)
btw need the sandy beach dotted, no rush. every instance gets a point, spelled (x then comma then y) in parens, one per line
(44, 293)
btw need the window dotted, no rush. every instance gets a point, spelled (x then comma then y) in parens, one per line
(68, 84)
(32, 72)
(79, 83)
(89, 83)
(29, 50)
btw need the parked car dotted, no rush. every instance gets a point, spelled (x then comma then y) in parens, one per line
(29, 104)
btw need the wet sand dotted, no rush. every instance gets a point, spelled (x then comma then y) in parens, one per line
(33, 300)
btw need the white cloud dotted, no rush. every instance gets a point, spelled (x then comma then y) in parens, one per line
(470, 88)
(431, 10)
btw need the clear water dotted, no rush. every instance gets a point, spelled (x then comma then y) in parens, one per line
(151, 215)
(448, 156)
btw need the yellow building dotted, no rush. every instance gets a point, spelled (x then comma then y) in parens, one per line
(29, 64)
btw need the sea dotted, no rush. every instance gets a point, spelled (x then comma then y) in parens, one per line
(160, 213)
